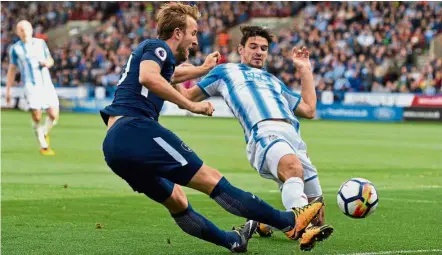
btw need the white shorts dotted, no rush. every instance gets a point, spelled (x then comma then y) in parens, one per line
(41, 97)
(272, 140)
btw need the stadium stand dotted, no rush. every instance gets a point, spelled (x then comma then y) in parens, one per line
(355, 46)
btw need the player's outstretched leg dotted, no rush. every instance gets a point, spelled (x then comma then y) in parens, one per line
(284, 164)
(288, 169)
(130, 143)
(247, 205)
(198, 226)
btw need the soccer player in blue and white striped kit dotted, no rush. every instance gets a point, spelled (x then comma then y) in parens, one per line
(33, 58)
(267, 111)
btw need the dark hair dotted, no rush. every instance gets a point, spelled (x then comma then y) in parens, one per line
(252, 31)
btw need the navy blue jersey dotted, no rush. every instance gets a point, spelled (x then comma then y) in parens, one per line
(132, 98)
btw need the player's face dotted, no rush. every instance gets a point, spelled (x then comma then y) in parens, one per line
(255, 52)
(189, 40)
(24, 32)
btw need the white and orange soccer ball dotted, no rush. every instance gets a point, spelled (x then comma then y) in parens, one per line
(357, 198)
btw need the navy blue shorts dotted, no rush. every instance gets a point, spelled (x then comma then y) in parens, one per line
(149, 157)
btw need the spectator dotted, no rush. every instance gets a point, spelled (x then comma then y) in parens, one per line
(354, 46)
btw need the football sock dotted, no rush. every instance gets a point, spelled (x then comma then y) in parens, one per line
(292, 193)
(49, 124)
(196, 225)
(247, 205)
(40, 134)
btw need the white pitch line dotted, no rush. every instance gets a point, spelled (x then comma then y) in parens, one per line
(394, 252)
(193, 192)
(417, 201)
(397, 188)
(379, 188)
(412, 200)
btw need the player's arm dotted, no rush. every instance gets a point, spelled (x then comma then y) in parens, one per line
(187, 72)
(9, 81)
(307, 106)
(10, 76)
(48, 61)
(205, 88)
(150, 77)
(194, 94)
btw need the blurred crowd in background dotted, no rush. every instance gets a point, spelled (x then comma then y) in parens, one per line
(354, 46)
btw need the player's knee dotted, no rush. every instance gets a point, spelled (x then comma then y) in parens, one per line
(179, 196)
(36, 118)
(214, 174)
(205, 179)
(181, 203)
(177, 202)
(53, 114)
(53, 117)
(290, 166)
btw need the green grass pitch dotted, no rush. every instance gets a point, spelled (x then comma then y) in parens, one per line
(51, 205)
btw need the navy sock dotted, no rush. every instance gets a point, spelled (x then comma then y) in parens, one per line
(247, 205)
(196, 225)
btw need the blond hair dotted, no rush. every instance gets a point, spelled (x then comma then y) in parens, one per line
(174, 15)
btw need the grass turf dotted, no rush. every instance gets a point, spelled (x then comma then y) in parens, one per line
(51, 205)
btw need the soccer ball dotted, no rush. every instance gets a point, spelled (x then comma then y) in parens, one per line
(357, 198)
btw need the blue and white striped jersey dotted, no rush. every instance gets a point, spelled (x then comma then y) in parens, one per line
(252, 94)
(27, 56)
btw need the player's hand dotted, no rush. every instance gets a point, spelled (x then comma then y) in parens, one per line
(8, 98)
(43, 63)
(212, 60)
(204, 108)
(301, 59)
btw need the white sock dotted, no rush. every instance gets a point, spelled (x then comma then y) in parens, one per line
(40, 135)
(293, 193)
(49, 124)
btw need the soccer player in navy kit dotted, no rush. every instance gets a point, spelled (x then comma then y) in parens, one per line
(155, 162)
